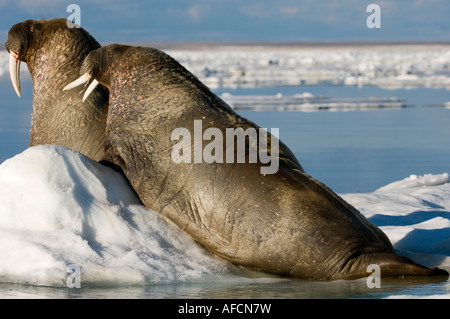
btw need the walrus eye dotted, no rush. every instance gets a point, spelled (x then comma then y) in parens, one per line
(33, 28)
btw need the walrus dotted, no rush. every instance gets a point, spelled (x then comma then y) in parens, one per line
(283, 222)
(54, 54)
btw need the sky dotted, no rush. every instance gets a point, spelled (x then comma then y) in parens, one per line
(133, 21)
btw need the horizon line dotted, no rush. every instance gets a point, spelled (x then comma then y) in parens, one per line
(292, 44)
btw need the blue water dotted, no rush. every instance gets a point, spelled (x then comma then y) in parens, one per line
(353, 151)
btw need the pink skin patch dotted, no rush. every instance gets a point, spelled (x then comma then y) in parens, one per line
(15, 55)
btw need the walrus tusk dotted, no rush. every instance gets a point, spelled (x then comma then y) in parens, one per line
(90, 88)
(81, 80)
(14, 71)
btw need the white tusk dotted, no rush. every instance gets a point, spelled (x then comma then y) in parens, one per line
(90, 88)
(81, 80)
(14, 72)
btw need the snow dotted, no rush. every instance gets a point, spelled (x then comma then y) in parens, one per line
(59, 208)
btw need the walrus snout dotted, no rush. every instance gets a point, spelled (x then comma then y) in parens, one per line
(18, 39)
(17, 43)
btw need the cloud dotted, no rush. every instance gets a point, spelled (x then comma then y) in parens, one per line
(197, 12)
(290, 10)
(420, 3)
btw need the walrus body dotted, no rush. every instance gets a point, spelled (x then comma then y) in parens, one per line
(284, 223)
(54, 54)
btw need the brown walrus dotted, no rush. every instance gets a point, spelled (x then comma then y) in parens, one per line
(282, 222)
(54, 54)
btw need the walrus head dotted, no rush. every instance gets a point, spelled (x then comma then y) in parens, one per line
(20, 39)
(26, 40)
(54, 53)
(96, 66)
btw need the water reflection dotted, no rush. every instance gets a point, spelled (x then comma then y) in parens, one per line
(263, 288)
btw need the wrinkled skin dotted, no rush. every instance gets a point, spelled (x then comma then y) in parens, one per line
(54, 54)
(285, 223)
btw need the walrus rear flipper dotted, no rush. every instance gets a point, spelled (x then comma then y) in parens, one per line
(391, 265)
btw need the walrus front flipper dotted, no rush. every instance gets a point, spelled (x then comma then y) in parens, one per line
(391, 265)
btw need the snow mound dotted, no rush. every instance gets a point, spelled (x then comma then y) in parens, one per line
(59, 209)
